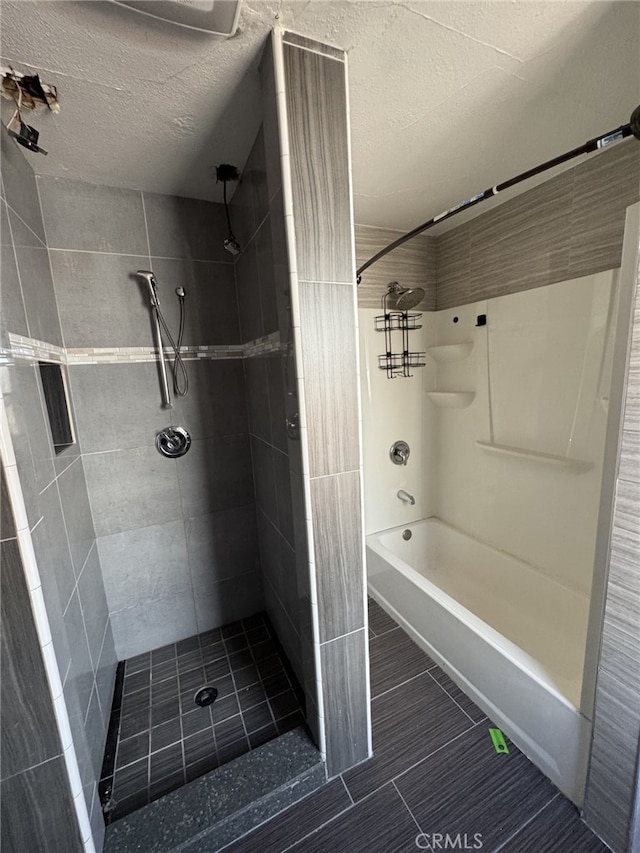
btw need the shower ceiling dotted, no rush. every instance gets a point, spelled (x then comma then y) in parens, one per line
(447, 98)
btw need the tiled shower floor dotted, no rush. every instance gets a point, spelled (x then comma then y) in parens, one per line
(165, 740)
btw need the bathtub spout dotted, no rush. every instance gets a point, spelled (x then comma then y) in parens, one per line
(406, 497)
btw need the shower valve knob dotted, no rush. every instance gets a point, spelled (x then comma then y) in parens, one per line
(399, 452)
(173, 442)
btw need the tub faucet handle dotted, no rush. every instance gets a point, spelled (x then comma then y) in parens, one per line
(406, 497)
(399, 452)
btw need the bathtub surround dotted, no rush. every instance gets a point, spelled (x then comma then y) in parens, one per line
(59, 530)
(542, 255)
(177, 538)
(540, 373)
(394, 410)
(544, 334)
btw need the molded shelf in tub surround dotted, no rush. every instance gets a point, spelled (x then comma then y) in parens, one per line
(450, 352)
(451, 399)
(574, 466)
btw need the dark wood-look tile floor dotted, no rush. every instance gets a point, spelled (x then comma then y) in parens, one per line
(435, 777)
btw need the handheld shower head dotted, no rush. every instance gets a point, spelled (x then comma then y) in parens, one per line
(150, 279)
(180, 292)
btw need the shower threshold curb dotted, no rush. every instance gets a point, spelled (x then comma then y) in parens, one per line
(216, 809)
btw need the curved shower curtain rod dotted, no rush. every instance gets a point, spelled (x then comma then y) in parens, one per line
(633, 128)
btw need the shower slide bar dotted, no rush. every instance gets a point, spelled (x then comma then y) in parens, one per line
(166, 394)
(159, 324)
(633, 128)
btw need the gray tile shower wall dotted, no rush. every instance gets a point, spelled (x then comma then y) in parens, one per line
(12, 313)
(567, 227)
(29, 299)
(324, 258)
(173, 559)
(412, 265)
(264, 307)
(54, 490)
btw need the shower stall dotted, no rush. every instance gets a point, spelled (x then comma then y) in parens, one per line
(193, 605)
(498, 568)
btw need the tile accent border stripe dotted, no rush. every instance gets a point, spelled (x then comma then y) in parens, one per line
(29, 348)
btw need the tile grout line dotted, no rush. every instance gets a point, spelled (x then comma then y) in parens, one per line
(340, 813)
(15, 259)
(317, 829)
(526, 823)
(26, 224)
(240, 709)
(49, 261)
(383, 633)
(413, 817)
(33, 766)
(344, 785)
(76, 590)
(402, 683)
(130, 254)
(283, 812)
(406, 770)
(342, 636)
(444, 690)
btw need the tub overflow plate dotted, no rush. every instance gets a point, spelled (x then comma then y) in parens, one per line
(173, 441)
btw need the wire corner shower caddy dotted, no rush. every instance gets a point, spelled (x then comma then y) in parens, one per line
(399, 363)
(402, 321)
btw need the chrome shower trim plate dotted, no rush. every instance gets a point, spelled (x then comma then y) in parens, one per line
(173, 442)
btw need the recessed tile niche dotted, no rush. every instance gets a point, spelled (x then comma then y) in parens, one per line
(55, 397)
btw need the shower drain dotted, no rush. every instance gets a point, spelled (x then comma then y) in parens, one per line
(206, 696)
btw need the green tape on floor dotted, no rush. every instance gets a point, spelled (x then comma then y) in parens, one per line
(498, 740)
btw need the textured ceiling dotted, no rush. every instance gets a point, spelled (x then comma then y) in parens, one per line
(447, 98)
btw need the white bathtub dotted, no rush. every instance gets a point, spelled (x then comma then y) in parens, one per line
(510, 637)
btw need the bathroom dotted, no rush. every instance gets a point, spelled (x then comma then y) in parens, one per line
(128, 552)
